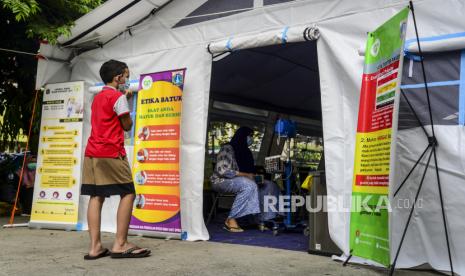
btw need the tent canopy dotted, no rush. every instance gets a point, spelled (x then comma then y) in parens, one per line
(101, 25)
(177, 37)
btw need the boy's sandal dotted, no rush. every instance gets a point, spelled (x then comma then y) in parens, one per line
(102, 254)
(232, 229)
(130, 253)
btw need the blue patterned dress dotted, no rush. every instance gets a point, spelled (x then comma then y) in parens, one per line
(249, 197)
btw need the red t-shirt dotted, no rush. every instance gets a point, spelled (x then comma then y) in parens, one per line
(107, 136)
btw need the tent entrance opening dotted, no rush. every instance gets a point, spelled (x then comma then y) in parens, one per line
(256, 88)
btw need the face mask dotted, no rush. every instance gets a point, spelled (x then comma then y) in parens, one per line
(125, 86)
(32, 166)
(249, 141)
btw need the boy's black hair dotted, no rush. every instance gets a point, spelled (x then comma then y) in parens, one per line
(111, 69)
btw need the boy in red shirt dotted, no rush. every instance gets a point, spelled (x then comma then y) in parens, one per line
(106, 169)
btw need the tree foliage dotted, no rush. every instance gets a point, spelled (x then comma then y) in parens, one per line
(22, 24)
(221, 133)
(48, 19)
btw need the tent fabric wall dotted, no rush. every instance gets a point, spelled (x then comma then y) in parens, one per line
(425, 241)
(129, 10)
(52, 70)
(340, 78)
(155, 46)
(444, 71)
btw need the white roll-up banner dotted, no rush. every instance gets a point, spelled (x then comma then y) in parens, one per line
(283, 35)
(58, 175)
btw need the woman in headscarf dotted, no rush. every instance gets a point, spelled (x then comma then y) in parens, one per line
(235, 173)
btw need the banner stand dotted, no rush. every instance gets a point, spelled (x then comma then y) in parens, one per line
(58, 174)
(54, 226)
(348, 259)
(374, 147)
(16, 225)
(432, 145)
(153, 234)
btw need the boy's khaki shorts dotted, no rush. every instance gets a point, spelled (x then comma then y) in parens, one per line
(106, 177)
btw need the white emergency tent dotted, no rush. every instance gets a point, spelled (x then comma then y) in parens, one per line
(152, 36)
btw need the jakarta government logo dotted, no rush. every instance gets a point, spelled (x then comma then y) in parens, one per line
(177, 78)
(147, 82)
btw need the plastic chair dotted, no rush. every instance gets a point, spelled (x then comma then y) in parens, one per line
(216, 197)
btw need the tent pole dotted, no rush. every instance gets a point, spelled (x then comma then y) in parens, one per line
(152, 13)
(12, 216)
(104, 21)
(393, 265)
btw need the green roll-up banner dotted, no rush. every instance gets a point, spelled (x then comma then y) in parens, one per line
(369, 223)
